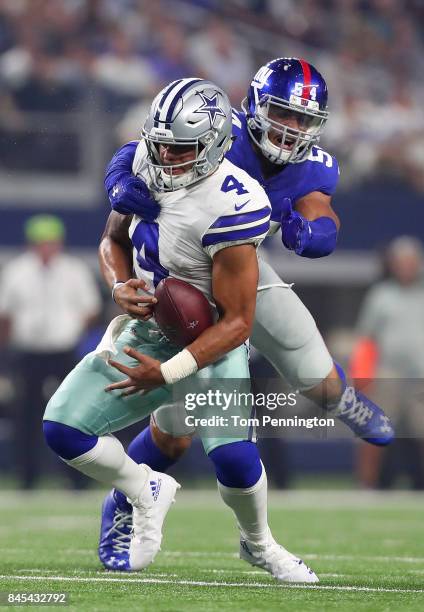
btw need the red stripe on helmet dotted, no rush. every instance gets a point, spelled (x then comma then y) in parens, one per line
(306, 69)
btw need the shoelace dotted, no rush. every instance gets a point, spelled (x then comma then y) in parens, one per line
(353, 409)
(121, 542)
(386, 426)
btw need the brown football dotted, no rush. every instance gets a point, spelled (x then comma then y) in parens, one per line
(182, 311)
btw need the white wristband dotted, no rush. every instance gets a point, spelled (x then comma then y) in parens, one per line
(115, 287)
(180, 366)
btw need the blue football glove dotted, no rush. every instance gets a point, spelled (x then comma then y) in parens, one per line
(130, 195)
(295, 230)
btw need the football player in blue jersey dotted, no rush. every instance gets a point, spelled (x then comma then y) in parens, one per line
(276, 141)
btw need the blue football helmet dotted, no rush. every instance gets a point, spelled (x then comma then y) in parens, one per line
(287, 99)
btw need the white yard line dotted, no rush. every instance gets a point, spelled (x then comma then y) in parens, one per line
(30, 570)
(203, 583)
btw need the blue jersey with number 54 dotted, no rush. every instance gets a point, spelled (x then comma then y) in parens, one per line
(319, 172)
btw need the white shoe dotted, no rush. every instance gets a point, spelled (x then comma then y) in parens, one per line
(149, 513)
(276, 560)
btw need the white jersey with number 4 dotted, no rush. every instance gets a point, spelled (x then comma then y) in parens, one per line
(226, 208)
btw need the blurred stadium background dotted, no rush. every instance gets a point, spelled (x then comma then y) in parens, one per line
(76, 79)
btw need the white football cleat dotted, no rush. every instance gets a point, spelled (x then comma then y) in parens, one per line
(149, 513)
(276, 560)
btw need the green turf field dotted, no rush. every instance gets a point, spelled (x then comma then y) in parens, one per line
(368, 551)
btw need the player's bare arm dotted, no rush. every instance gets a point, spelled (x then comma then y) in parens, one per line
(315, 205)
(116, 266)
(234, 283)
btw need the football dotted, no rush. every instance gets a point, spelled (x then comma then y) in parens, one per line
(182, 311)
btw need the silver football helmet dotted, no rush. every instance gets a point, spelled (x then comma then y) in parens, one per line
(189, 113)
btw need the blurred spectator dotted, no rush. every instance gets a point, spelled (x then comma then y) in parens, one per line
(371, 54)
(223, 57)
(169, 62)
(47, 300)
(122, 73)
(390, 351)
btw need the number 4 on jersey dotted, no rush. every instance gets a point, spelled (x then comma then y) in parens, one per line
(230, 183)
(146, 240)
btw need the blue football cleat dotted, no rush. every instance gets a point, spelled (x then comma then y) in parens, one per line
(115, 534)
(364, 418)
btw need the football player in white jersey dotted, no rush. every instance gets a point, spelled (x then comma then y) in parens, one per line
(206, 234)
